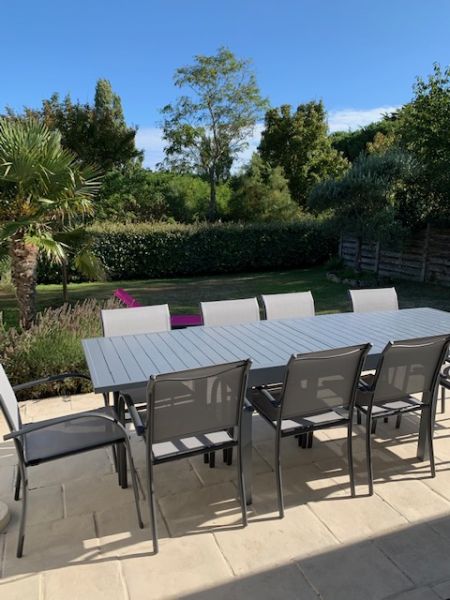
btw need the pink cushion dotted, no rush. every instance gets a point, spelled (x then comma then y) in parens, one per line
(185, 320)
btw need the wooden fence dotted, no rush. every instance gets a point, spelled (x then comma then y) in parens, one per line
(425, 257)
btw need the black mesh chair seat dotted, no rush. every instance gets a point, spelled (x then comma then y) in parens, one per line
(70, 437)
(200, 443)
(271, 411)
(393, 407)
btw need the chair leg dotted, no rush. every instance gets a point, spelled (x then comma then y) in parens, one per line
(373, 427)
(398, 421)
(369, 454)
(358, 417)
(304, 440)
(151, 501)
(351, 469)
(206, 458)
(442, 399)
(430, 424)
(241, 485)
(23, 515)
(212, 460)
(310, 439)
(134, 482)
(386, 419)
(230, 457)
(278, 476)
(17, 486)
(106, 398)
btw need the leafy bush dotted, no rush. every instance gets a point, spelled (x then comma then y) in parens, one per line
(52, 346)
(145, 250)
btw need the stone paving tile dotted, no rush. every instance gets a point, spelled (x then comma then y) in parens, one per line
(26, 587)
(269, 541)
(202, 510)
(51, 545)
(353, 519)
(119, 533)
(183, 566)
(356, 572)
(6, 481)
(413, 499)
(442, 590)
(70, 468)
(285, 582)
(420, 552)
(95, 494)
(423, 593)
(102, 581)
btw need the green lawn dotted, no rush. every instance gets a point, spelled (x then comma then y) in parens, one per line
(184, 294)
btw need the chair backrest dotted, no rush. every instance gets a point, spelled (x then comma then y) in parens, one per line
(196, 401)
(142, 319)
(372, 300)
(8, 402)
(410, 367)
(289, 306)
(321, 381)
(230, 312)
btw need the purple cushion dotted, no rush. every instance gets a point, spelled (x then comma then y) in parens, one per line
(185, 320)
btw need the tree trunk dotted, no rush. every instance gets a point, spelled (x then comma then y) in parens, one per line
(24, 258)
(64, 281)
(212, 209)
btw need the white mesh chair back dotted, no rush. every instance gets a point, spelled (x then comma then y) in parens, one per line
(230, 312)
(8, 402)
(321, 381)
(410, 367)
(373, 300)
(289, 306)
(133, 321)
(189, 403)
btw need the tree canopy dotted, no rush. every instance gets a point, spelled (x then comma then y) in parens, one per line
(205, 130)
(299, 142)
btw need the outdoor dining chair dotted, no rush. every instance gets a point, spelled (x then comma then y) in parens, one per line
(139, 320)
(230, 312)
(192, 412)
(295, 305)
(48, 440)
(406, 368)
(319, 391)
(372, 300)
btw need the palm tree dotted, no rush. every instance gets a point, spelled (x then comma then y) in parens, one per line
(43, 193)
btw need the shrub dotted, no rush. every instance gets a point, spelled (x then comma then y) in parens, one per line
(145, 250)
(52, 346)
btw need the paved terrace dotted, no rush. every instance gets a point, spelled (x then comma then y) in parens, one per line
(83, 542)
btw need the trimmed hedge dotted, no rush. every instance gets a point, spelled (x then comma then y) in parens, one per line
(147, 250)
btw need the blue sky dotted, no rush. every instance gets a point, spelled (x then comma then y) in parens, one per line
(360, 57)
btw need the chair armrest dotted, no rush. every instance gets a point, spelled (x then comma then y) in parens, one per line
(134, 414)
(268, 395)
(30, 427)
(50, 379)
(364, 386)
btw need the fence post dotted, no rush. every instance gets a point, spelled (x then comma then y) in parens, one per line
(423, 273)
(377, 257)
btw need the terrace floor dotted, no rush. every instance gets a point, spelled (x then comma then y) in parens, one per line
(83, 541)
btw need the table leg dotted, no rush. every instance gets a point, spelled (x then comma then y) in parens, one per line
(422, 445)
(246, 442)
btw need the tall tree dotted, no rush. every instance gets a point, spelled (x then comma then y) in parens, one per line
(97, 133)
(204, 131)
(424, 130)
(43, 190)
(299, 142)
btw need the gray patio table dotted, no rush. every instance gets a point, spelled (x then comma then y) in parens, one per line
(123, 362)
